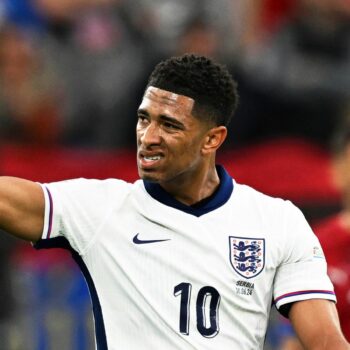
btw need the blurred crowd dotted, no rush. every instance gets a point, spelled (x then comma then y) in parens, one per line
(73, 72)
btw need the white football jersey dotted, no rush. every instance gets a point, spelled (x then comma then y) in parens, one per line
(163, 275)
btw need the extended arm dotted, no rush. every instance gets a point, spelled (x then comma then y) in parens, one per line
(21, 208)
(317, 325)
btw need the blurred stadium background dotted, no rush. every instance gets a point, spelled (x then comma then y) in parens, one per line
(72, 74)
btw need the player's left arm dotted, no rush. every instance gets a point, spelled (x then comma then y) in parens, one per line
(317, 325)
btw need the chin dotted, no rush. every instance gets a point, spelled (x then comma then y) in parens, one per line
(148, 176)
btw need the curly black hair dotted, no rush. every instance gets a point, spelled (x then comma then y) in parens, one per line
(210, 85)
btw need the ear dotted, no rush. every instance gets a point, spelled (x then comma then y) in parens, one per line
(214, 139)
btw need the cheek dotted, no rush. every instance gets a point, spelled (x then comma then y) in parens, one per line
(188, 152)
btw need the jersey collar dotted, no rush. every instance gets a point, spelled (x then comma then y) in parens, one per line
(216, 200)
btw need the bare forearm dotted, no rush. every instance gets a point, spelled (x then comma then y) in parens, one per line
(317, 325)
(330, 342)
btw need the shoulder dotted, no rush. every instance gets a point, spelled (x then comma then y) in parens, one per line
(272, 212)
(91, 184)
(90, 188)
(253, 197)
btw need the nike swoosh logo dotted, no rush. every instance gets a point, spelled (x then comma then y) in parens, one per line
(136, 240)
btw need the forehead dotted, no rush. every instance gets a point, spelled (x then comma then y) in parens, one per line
(167, 99)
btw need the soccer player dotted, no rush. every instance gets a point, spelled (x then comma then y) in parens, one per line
(184, 258)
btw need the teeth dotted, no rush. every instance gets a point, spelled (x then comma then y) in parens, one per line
(151, 159)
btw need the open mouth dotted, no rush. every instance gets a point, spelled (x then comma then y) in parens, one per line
(148, 161)
(151, 158)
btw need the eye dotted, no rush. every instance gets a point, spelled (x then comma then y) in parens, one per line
(169, 125)
(142, 119)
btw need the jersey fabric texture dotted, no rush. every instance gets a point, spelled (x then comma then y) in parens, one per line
(163, 275)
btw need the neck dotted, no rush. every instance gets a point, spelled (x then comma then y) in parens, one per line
(194, 187)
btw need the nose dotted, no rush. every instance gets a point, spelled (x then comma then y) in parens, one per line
(151, 135)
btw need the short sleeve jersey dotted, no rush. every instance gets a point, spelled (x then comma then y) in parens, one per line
(163, 275)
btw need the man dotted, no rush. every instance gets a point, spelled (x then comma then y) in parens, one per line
(184, 258)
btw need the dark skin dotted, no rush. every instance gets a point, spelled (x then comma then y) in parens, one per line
(177, 150)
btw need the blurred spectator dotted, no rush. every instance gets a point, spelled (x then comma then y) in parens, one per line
(101, 51)
(261, 18)
(334, 235)
(163, 22)
(28, 102)
(299, 78)
(199, 37)
(101, 64)
(334, 232)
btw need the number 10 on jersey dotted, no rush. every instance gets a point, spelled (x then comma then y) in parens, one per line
(207, 309)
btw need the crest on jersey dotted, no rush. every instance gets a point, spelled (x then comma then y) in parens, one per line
(247, 255)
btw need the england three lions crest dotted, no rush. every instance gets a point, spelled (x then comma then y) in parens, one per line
(247, 255)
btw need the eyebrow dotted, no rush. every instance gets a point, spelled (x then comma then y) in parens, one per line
(163, 117)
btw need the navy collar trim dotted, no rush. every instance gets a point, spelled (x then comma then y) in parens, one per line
(216, 200)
